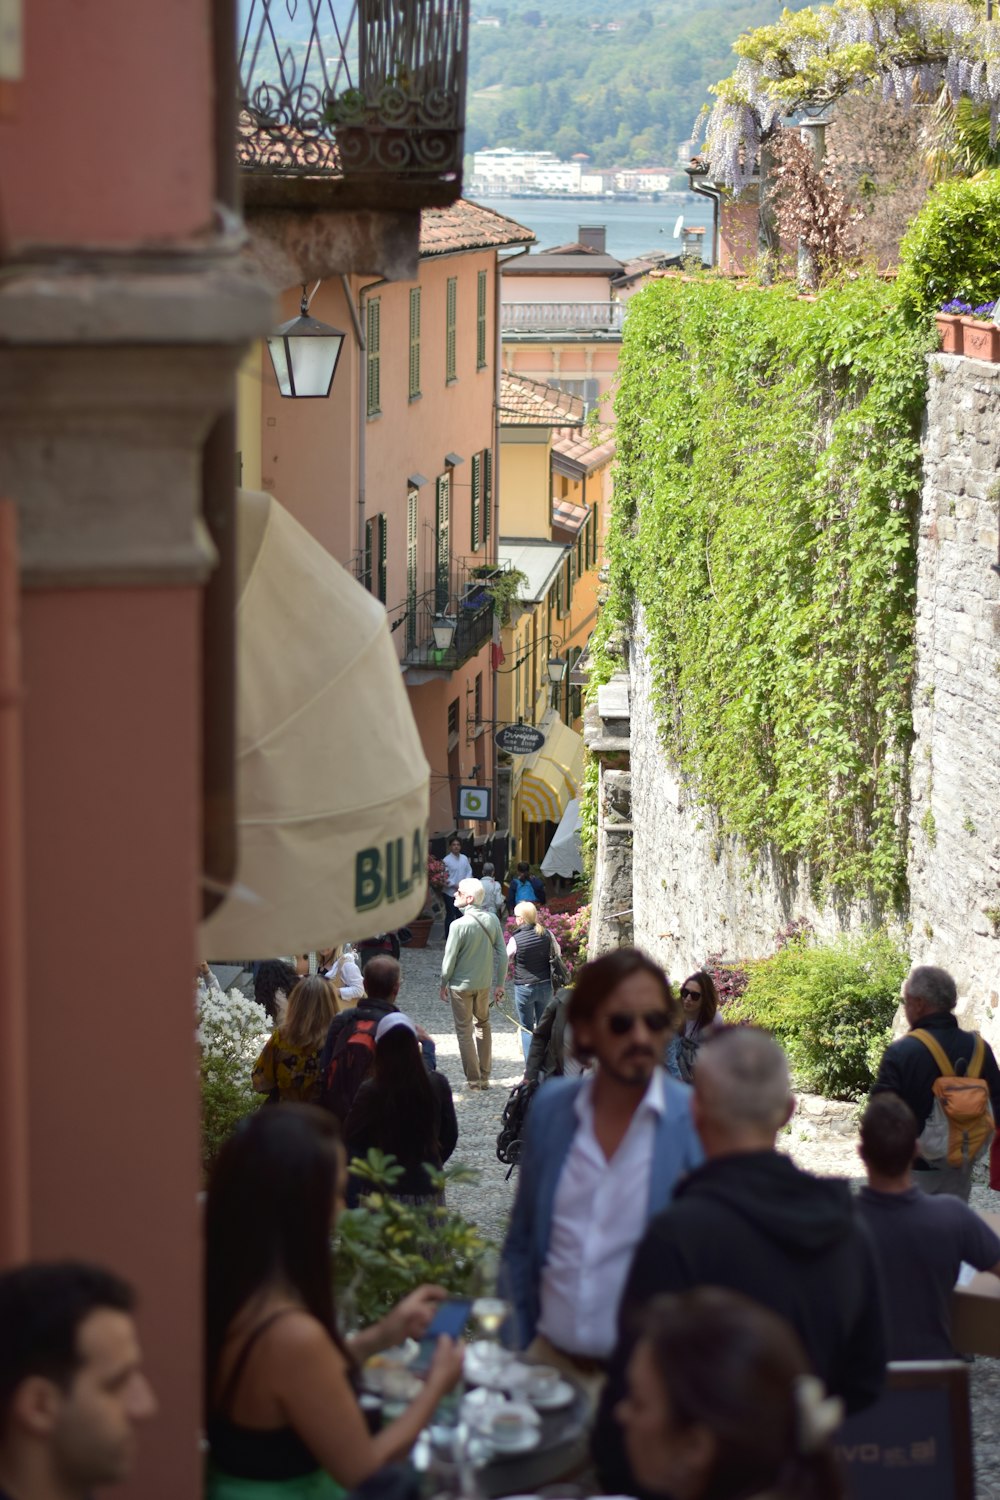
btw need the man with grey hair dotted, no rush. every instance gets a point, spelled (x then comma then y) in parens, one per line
(751, 1221)
(475, 962)
(910, 1068)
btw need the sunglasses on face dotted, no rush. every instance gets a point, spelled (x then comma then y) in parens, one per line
(620, 1023)
(689, 994)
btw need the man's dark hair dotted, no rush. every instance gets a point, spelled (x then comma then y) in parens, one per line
(523, 868)
(595, 982)
(41, 1309)
(382, 975)
(934, 986)
(889, 1131)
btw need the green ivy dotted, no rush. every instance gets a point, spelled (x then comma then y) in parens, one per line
(952, 248)
(765, 498)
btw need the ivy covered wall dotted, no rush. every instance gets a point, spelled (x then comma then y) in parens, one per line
(765, 510)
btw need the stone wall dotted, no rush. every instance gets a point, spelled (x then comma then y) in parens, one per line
(696, 892)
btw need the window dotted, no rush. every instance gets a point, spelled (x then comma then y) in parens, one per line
(450, 333)
(587, 390)
(442, 543)
(414, 343)
(376, 554)
(487, 493)
(581, 549)
(594, 522)
(411, 569)
(477, 700)
(373, 341)
(481, 321)
(477, 500)
(452, 721)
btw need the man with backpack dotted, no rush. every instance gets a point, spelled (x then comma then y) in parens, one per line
(950, 1080)
(349, 1050)
(525, 887)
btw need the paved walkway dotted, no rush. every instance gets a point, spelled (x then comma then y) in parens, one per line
(815, 1146)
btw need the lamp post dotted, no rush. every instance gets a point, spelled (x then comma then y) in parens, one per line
(304, 354)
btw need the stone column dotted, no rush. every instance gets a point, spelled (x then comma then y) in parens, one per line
(607, 735)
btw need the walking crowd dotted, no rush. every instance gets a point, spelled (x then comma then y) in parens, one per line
(721, 1309)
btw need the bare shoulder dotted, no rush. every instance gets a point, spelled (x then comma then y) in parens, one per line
(298, 1334)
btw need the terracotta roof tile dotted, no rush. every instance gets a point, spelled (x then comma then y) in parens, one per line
(569, 517)
(468, 226)
(579, 448)
(532, 403)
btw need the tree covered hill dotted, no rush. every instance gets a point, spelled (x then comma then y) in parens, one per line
(547, 79)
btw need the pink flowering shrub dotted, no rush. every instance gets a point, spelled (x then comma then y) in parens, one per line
(437, 875)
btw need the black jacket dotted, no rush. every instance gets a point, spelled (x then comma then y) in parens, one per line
(370, 1124)
(756, 1224)
(908, 1069)
(547, 1056)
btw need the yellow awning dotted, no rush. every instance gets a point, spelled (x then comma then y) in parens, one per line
(332, 783)
(552, 777)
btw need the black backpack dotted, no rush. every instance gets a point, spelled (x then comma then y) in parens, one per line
(350, 1064)
(515, 1113)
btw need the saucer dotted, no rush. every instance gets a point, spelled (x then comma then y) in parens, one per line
(560, 1396)
(530, 1438)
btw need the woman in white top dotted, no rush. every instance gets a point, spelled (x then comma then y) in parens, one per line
(337, 965)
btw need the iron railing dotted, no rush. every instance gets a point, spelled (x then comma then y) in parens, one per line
(364, 88)
(467, 601)
(562, 317)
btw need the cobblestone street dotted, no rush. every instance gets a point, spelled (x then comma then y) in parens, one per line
(821, 1139)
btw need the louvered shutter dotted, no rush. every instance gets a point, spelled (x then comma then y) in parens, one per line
(477, 500)
(451, 330)
(374, 357)
(442, 552)
(414, 343)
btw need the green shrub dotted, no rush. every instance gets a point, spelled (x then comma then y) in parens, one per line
(385, 1248)
(952, 248)
(830, 1005)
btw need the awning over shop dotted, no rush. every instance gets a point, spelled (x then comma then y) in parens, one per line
(551, 778)
(332, 784)
(564, 856)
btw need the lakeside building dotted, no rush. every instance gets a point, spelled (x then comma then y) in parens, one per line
(504, 172)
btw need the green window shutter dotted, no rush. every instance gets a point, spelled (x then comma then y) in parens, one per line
(374, 357)
(477, 500)
(594, 520)
(383, 557)
(442, 545)
(411, 569)
(414, 343)
(487, 493)
(451, 330)
(366, 573)
(481, 321)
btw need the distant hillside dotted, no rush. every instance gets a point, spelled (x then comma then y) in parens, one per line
(545, 80)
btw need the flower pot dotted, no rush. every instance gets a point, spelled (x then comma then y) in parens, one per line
(951, 331)
(420, 931)
(980, 340)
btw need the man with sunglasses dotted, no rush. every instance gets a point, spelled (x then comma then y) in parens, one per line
(753, 1222)
(601, 1155)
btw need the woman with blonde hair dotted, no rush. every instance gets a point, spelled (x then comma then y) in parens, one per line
(340, 966)
(288, 1069)
(532, 947)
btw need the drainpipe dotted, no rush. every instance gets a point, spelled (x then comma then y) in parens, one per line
(357, 319)
(14, 1236)
(495, 529)
(714, 197)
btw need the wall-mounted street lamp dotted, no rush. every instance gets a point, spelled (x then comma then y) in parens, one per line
(557, 670)
(444, 627)
(304, 354)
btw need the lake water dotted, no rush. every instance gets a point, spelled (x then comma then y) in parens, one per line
(633, 228)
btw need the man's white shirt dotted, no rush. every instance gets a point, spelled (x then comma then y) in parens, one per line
(458, 868)
(598, 1218)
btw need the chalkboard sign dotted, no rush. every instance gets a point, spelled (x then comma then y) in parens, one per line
(519, 739)
(917, 1438)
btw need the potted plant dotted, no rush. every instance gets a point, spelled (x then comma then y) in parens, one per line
(949, 322)
(420, 927)
(980, 335)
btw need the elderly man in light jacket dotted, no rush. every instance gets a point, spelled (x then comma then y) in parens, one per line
(475, 962)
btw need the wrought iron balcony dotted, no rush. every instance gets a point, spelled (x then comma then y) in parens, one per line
(462, 596)
(562, 317)
(361, 92)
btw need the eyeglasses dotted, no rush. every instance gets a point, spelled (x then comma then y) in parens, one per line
(689, 994)
(620, 1023)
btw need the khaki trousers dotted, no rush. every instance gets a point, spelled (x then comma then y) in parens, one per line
(468, 1006)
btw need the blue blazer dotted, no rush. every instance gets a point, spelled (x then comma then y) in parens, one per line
(552, 1124)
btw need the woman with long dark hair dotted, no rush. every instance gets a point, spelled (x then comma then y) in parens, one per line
(274, 981)
(721, 1405)
(281, 1413)
(403, 1110)
(700, 1003)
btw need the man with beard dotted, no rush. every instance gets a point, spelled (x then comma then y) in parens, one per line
(601, 1155)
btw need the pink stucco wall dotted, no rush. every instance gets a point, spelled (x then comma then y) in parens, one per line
(110, 140)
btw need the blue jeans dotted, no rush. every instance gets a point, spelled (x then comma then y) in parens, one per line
(531, 1000)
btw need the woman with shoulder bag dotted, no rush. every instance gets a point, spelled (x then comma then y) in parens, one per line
(534, 951)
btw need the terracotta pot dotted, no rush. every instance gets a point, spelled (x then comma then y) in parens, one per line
(420, 929)
(980, 340)
(951, 331)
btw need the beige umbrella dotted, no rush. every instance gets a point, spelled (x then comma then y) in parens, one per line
(332, 783)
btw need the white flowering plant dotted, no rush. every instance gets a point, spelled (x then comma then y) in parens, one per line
(231, 1032)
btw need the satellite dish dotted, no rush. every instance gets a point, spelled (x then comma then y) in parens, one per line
(678, 227)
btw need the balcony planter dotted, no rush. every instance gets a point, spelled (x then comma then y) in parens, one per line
(951, 331)
(980, 340)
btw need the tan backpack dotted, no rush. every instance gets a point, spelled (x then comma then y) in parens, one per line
(961, 1123)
